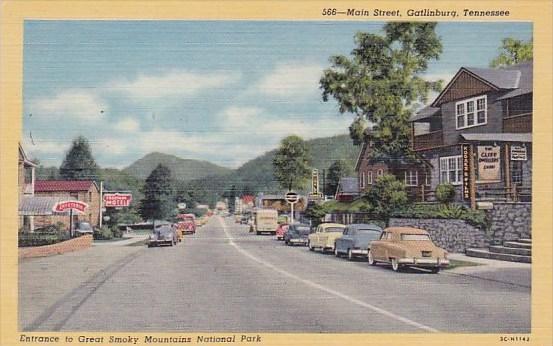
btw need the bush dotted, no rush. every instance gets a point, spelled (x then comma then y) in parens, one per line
(445, 193)
(386, 196)
(473, 217)
(103, 233)
(41, 239)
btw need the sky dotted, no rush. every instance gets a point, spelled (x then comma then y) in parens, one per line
(220, 91)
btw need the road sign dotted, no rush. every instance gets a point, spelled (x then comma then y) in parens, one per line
(181, 206)
(117, 199)
(292, 197)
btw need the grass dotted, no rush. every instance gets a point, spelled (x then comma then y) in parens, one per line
(457, 264)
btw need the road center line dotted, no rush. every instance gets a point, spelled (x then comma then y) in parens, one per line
(323, 288)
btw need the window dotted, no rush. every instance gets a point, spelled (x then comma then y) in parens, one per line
(411, 178)
(427, 176)
(90, 196)
(516, 172)
(471, 112)
(379, 173)
(370, 177)
(416, 237)
(451, 169)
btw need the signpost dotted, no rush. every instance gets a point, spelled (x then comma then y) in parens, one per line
(72, 205)
(292, 198)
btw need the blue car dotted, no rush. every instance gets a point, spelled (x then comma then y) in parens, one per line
(355, 241)
(297, 234)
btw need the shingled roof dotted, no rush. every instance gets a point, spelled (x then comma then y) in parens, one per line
(63, 185)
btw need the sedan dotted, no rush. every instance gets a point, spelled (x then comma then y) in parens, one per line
(163, 235)
(281, 229)
(356, 240)
(297, 234)
(407, 247)
(324, 236)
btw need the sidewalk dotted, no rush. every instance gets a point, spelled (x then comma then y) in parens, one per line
(519, 274)
(128, 238)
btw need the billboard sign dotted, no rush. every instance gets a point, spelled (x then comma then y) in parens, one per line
(117, 199)
(466, 171)
(488, 163)
(76, 206)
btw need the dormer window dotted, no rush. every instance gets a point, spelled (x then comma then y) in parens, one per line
(471, 112)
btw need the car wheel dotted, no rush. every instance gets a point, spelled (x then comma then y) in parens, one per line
(435, 270)
(370, 258)
(309, 246)
(395, 265)
(336, 253)
(350, 255)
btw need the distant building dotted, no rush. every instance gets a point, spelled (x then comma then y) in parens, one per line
(347, 190)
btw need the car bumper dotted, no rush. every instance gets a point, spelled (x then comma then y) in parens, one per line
(280, 237)
(359, 252)
(298, 241)
(160, 242)
(425, 262)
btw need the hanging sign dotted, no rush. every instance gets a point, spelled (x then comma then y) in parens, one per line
(117, 199)
(518, 153)
(77, 206)
(467, 164)
(489, 160)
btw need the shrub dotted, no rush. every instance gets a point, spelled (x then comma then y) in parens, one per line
(473, 217)
(445, 193)
(387, 196)
(103, 233)
(41, 239)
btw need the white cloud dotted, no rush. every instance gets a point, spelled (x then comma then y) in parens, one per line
(127, 125)
(70, 104)
(173, 84)
(291, 80)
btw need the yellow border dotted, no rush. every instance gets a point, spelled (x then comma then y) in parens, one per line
(539, 12)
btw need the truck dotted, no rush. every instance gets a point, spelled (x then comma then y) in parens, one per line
(265, 221)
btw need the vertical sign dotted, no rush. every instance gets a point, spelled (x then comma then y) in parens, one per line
(489, 160)
(315, 182)
(466, 171)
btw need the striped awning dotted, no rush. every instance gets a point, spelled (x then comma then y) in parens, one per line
(34, 205)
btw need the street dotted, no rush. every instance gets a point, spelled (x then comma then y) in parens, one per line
(225, 279)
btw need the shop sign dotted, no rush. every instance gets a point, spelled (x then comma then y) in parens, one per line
(117, 199)
(466, 171)
(77, 206)
(489, 160)
(518, 153)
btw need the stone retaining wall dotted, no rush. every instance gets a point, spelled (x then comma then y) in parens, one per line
(451, 234)
(510, 221)
(75, 244)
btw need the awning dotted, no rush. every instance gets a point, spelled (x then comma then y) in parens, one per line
(31, 205)
(498, 137)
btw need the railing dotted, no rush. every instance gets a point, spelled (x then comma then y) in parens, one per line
(521, 123)
(428, 140)
(515, 193)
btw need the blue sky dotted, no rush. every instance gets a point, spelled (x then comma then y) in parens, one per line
(222, 91)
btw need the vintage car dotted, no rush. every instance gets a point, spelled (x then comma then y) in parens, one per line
(297, 234)
(324, 236)
(281, 229)
(164, 234)
(407, 247)
(355, 241)
(187, 223)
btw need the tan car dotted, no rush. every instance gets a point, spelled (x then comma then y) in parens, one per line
(407, 247)
(324, 237)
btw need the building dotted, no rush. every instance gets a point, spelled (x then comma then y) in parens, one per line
(477, 134)
(414, 173)
(347, 190)
(86, 191)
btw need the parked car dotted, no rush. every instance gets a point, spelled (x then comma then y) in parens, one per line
(164, 234)
(297, 234)
(281, 229)
(83, 227)
(355, 241)
(324, 236)
(407, 247)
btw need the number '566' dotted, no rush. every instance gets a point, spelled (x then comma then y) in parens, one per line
(329, 11)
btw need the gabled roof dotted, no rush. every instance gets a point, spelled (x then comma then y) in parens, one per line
(348, 185)
(361, 155)
(517, 79)
(63, 185)
(26, 160)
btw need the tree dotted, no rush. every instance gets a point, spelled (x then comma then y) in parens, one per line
(337, 170)
(79, 163)
(291, 163)
(158, 201)
(512, 52)
(386, 195)
(381, 83)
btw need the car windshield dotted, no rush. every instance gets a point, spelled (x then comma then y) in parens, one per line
(302, 229)
(333, 229)
(372, 233)
(419, 237)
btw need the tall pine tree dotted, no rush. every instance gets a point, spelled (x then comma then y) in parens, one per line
(79, 163)
(158, 201)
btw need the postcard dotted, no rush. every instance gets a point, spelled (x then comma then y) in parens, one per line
(276, 173)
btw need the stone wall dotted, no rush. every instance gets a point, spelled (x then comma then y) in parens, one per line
(75, 244)
(510, 221)
(450, 234)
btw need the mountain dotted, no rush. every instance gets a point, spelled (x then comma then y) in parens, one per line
(182, 169)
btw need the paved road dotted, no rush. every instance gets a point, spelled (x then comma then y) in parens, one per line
(226, 279)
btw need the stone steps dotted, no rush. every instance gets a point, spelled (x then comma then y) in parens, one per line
(512, 251)
(483, 253)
